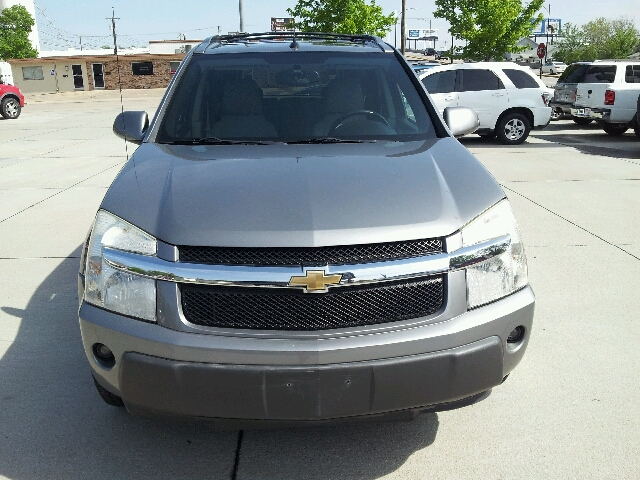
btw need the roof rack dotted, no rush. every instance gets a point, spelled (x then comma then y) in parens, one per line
(245, 37)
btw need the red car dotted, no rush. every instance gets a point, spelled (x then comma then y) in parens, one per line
(11, 101)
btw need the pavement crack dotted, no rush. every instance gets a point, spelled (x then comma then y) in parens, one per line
(61, 191)
(572, 223)
(236, 461)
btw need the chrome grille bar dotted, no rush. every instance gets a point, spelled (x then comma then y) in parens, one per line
(279, 277)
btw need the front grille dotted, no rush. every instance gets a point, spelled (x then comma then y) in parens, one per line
(310, 256)
(271, 309)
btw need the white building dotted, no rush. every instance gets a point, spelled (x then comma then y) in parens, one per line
(158, 47)
(28, 4)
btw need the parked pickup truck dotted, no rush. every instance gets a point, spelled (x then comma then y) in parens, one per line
(612, 103)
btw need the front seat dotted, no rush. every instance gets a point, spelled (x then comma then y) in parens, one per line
(342, 95)
(242, 115)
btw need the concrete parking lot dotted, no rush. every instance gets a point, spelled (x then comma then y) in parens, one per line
(570, 410)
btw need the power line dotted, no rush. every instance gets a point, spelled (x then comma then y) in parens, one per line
(51, 23)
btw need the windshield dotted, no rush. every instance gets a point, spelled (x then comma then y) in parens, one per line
(294, 97)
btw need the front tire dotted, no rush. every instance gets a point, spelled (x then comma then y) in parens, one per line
(581, 120)
(614, 129)
(513, 129)
(107, 396)
(10, 108)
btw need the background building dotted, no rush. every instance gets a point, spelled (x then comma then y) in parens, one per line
(89, 72)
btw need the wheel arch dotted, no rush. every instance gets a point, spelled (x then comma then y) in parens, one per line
(10, 95)
(522, 110)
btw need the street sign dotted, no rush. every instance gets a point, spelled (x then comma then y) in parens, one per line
(542, 50)
(281, 24)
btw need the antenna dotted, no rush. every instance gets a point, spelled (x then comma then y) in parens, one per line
(115, 52)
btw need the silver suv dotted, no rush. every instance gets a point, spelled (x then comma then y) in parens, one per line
(300, 238)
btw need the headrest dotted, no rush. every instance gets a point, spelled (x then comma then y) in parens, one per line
(242, 97)
(343, 95)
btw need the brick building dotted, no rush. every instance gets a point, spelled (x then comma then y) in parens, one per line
(72, 73)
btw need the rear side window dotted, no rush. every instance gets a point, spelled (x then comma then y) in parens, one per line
(477, 80)
(574, 73)
(521, 79)
(441, 82)
(600, 74)
(632, 74)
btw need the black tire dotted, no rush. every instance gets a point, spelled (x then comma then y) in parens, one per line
(556, 114)
(581, 120)
(614, 129)
(513, 128)
(107, 396)
(10, 108)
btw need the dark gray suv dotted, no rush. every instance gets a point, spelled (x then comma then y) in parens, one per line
(300, 238)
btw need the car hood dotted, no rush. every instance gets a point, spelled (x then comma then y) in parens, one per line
(301, 195)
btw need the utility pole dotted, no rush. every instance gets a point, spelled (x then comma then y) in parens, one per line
(113, 28)
(241, 9)
(403, 32)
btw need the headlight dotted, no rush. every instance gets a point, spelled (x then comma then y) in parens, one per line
(501, 275)
(112, 289)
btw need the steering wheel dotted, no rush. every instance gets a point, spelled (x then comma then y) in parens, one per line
(371, 115)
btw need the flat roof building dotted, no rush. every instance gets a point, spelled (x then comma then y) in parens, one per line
(98, 72)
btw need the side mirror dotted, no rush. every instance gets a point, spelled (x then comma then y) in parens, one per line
(131, 126)
(461, 120)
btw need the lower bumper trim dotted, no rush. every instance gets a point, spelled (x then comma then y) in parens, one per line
(301, 394)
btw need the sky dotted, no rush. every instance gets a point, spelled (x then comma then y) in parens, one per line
(62, 22)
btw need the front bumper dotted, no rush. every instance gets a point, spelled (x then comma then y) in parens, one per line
(304, 377)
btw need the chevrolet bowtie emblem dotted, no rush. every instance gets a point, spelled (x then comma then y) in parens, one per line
(315, 281)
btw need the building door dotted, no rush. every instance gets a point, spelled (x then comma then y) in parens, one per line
(98, 75)
(78, 81)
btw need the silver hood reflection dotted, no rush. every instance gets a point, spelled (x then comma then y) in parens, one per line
(301, 195)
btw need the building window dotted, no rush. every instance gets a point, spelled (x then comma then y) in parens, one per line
(174, 66)
(32, 73)
(142, 68)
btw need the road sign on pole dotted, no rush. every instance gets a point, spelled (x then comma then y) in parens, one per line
(542, 50)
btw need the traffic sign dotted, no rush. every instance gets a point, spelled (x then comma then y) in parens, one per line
(542, 50)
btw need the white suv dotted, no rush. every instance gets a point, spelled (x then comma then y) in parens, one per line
(508, 99)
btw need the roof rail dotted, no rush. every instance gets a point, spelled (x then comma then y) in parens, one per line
(245, 37)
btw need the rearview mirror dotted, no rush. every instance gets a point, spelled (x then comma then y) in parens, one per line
(131, 126)
(461, 120)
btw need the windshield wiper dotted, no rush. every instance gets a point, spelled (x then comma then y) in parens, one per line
(328, 140)
(218, 141)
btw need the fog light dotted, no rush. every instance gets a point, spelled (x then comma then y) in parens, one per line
(104, 356)
(516, 335)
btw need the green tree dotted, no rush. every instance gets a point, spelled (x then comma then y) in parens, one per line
(15, 25)
(598, 39)
(341, 16)
(490, 27)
